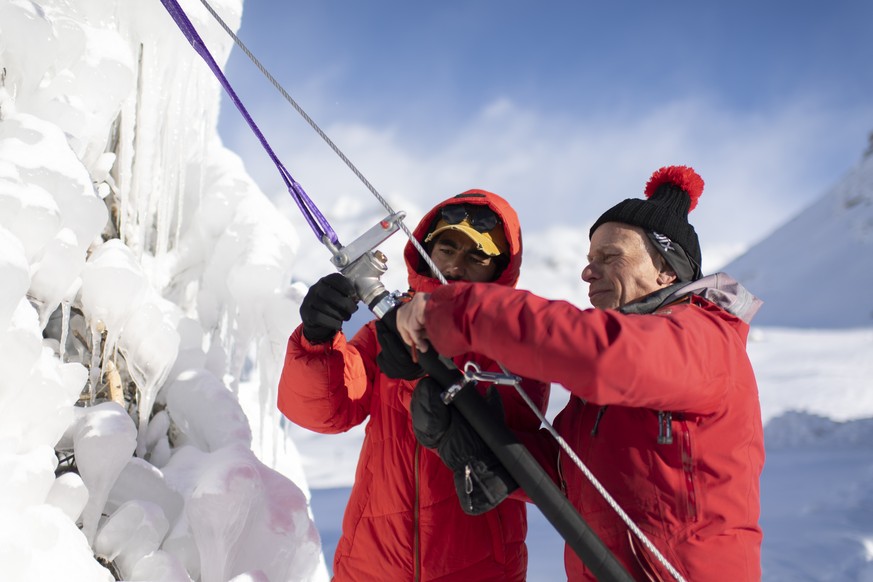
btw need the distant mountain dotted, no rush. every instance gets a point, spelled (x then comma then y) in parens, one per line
(816, 271)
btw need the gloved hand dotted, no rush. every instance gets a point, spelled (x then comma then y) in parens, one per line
(395, 359)
(328, 303)
(481, 482)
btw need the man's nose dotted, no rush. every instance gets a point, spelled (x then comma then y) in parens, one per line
(454, 268)
(588, 273)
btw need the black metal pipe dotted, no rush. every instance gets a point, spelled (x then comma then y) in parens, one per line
(527, 472)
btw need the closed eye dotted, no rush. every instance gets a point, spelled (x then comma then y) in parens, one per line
(604, 258)
(479, 258)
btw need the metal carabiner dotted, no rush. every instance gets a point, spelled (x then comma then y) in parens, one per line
(473, 373)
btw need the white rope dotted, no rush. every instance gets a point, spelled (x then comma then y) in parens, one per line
(597, 485)
(436, 272)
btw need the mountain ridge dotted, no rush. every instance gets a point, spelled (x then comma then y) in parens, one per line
(828, 286)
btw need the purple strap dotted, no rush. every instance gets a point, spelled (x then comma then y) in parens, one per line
(313, 216)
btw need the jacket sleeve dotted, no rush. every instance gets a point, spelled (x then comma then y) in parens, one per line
(327, 388)
(679, 360)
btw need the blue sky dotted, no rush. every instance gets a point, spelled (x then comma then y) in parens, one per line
(564, 108)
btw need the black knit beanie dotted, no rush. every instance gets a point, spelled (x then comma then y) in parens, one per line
(671, 193)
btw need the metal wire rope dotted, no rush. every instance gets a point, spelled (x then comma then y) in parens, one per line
(326, 139)
(551, 429)
(594, 481)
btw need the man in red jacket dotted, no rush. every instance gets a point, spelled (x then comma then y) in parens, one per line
(664, 408)
(404, 521)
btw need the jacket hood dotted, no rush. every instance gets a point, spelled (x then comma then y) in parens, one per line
(723, 290)
(719, 289)
(424, 281)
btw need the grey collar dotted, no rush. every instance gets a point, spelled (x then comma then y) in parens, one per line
(720, 289)
(651, 302)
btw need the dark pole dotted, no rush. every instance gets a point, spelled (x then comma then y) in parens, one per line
(524, 469)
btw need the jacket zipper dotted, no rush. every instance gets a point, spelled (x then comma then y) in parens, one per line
(600, 412)
(665, 428)
(688, 470)
(416, 550)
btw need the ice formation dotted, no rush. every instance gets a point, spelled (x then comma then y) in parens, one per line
(142, 272)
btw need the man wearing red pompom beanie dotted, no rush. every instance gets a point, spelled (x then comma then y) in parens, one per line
(664, 409)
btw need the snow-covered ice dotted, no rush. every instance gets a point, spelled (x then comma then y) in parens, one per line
(141, 270)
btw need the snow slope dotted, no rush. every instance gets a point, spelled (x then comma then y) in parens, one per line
(817, 270)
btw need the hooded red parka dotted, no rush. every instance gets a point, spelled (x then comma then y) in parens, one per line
(664, 412)
(403, 521)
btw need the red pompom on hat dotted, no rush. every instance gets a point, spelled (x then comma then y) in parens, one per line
(671, 193)
(682, 177)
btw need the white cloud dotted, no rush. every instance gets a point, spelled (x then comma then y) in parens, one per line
(760, 168)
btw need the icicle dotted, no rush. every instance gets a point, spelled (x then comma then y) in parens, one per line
(65, 328)
(103, 442)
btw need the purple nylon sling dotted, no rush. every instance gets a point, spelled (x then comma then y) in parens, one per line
(313, 216)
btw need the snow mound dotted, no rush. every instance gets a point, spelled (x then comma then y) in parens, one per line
(795, 429)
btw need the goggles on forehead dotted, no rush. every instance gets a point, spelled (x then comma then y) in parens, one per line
(481, 218)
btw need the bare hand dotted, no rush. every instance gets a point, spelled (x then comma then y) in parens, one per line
(410, 322)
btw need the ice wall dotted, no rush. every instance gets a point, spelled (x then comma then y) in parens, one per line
(142, 269)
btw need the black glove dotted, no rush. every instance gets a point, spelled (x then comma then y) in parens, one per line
(328, 303)
(481, 482)
(395, 359)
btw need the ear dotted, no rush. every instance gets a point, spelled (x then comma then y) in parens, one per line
(667, 276)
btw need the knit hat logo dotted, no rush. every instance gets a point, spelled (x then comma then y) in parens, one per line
(671, 194)
(664, 241)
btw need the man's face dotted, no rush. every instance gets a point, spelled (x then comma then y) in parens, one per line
(622, 267)
(458, 259)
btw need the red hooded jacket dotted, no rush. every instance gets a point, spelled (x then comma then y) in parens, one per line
(680, 372)
(403, 520)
